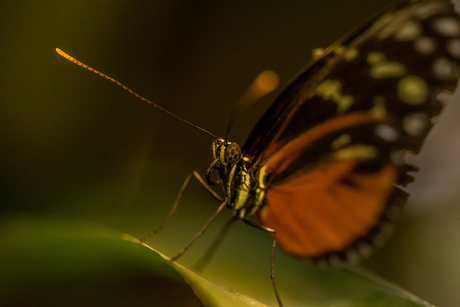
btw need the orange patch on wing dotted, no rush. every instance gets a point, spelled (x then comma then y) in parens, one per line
(319, 212)
(280, 158)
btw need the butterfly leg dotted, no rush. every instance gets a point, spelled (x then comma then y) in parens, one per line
(202, 230)
(211, 250)
(272, 270)
(176, 202)
(174, 209)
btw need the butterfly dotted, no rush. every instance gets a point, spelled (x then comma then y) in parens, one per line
(323, 170)
(324, 165)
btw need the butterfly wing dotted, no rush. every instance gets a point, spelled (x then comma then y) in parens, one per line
(328, 151)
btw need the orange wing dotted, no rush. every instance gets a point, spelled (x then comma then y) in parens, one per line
(328, 208)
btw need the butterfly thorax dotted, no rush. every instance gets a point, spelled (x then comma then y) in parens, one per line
(242, 193)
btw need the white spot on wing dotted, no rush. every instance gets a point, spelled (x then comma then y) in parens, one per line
(445, 69)
(364, 249)
(379, 239)
(447, 26)
(425, 45)
(453, 46)
(414, 124)
(444, 97)
(351, 255)
(456, 4)
(386, 227)
(386, 132)
(430, 9)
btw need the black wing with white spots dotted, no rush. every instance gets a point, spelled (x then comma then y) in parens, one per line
(368, 98)
(397, 65)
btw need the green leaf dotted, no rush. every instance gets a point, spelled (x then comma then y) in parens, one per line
(54, 262)
(50, 262)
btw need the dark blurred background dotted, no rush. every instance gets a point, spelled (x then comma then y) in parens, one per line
(74, 145)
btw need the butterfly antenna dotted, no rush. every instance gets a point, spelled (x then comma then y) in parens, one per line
(71, 59)
(266, 82)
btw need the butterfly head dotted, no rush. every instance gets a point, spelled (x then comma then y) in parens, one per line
(233, 171)
(228, 153)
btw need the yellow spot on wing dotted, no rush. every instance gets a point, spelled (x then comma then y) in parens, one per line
(341, 141)
(375, 57)
(332, 90)
(381, 68)
(351, 54)
(410, 30)
(278, 161)
(387, 70)
(412, 90)
(317, 53)
(359, 152)
(379, 109)
(339, 50)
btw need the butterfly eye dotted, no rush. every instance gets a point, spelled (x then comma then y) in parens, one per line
(232, 153)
